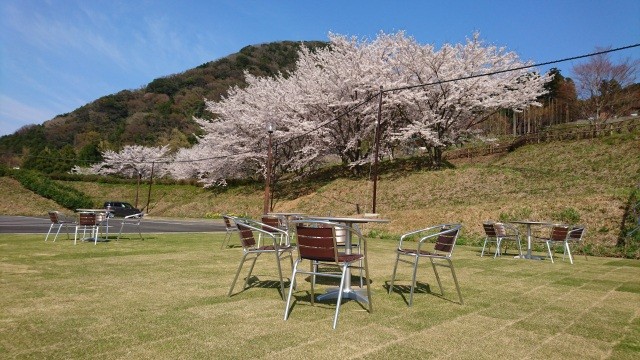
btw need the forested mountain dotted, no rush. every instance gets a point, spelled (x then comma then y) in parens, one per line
(160, 113)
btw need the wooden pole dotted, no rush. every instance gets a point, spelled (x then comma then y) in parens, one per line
(150, 183)
(267, 187)
(375, 159)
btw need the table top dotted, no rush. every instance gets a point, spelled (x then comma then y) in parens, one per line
(349, 219)
(530, 222)
(285, 213)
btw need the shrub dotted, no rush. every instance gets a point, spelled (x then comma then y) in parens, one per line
(567, 215)
(517, 214)
(66, 196)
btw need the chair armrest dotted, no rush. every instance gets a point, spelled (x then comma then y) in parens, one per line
(134, 216)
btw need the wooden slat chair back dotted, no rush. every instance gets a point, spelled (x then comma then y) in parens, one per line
(273, 226)
(317, 243)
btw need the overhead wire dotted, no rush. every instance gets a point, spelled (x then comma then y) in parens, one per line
(350, 109)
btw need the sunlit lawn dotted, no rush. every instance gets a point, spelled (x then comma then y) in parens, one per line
(166, 297)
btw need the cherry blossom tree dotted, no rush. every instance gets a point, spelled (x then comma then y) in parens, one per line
(135, 161)
(329, 105)
(132, 161)
(446, 92)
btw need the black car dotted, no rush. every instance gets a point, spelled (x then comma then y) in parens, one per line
(121, 209)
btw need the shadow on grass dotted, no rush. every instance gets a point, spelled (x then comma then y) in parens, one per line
(255, 282)
(420, 288)
(304, 296)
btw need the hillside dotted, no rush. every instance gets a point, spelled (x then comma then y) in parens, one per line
(157, 114)
(584, 181)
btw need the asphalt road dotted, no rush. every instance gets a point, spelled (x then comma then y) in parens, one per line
(40, 225)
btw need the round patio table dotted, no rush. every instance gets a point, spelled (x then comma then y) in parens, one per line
(348, 292)
(528, 224)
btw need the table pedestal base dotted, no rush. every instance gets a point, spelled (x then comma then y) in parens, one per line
(359, 295)
(528, 257)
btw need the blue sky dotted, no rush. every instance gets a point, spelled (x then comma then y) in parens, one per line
(57, 55)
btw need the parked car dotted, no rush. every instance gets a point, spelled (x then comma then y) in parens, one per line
(121, 209)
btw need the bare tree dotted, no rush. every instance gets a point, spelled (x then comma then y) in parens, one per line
(602, 84)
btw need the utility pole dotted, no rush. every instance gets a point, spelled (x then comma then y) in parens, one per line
(375, 159)
(267, 187)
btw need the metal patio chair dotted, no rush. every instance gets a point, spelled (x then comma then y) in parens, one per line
(251, 250)
(576, 235)
(558, 234)
(132, 220)
(317, 243)
(58, 220)
(499, 233)
(88, 222)
(439, 254)
(274, 225)
(490, 237)
(230, 228)
(507, 232)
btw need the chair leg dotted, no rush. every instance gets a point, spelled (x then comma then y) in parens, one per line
(549, 250)
(280, 274)
(567, 251)
(498, 244)
(413, 280)
(227, 236)
(313, 267)
(484, 245)
(49, 232)
(293, 281)
(235, 278)
(253, 264)
(120, 232)
(291, 263)
(519, 247)
(455, 280)
(393, 276)
(342, 280)
(435, 270)
(366, 274)
(57, 232)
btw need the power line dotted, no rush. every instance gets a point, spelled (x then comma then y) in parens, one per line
(348, 110)
(514, 69)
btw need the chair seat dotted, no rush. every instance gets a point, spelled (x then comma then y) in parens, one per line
(273, 248)
(342, 258)
(419, 253)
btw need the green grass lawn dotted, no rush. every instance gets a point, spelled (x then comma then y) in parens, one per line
(165, 297)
